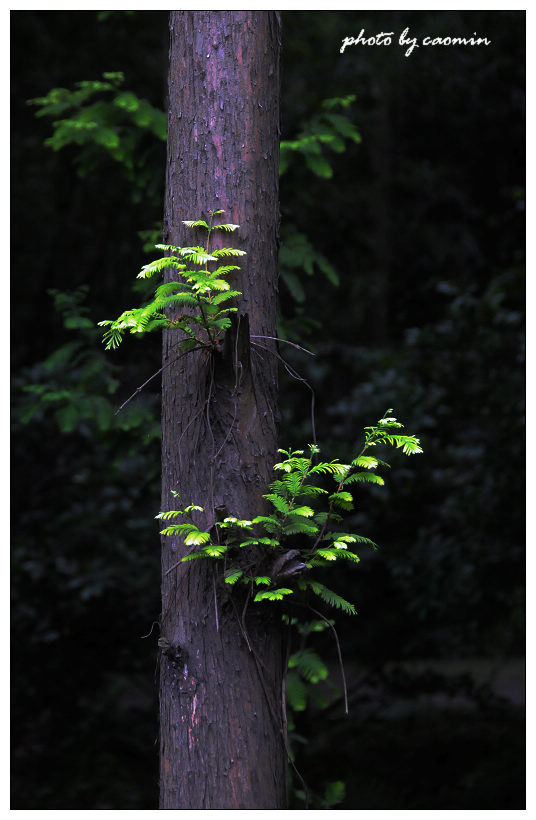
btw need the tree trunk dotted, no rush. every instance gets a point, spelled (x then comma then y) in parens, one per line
(221, 723)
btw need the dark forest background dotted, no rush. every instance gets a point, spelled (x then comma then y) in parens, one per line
(423, 222)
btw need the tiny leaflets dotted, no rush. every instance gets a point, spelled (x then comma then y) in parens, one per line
(329, 555)
(309, 665)
(195, 223)
(233, 576)
(227, 252)
(330, 467)
(169, 514)
(263, 580)
(330, 597)
(197, 255)
(226, 227)
(273, 594)
(296, 525)
(159, 265)
(343, 500)
(370, 478)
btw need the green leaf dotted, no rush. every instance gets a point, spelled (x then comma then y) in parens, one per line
(194, 556)
(294, 285)
(343, 552)
(279, 503)
(334, 102)
(169, 514)
(335, 793)
(306, 512)
(296, 692)
(318, 165)
(179, 529)
(215, 550)
(349, 538)
(168, 289)
(310, 490)
(270, 523)
(255, 542)
(67, 418)
(330, 597)
(77, 323)
(332, 467)
(344, 126)
(370, 478)
(262, 580)
(233, 576)
(297, 525)
(197, 255)
(343, 500)
(159, 265)
(195, 223)
(224, 296)
(236, 523)
(409, 444)
(273, 594)
(369, 462)
(197, 537)
(226, 227)
(327, 554)
(227, 252)
(309, 665)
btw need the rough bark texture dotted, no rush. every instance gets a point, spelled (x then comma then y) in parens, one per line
(221, 719)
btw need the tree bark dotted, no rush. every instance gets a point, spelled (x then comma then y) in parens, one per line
(221, 722)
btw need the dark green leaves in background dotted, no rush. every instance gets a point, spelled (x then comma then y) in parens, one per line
(402, 268)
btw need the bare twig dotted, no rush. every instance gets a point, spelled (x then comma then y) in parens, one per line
(154, 623)
(286, 342)
(243, 622)
(215, 598)
(145, 383)
(339, 652)
(295, 375)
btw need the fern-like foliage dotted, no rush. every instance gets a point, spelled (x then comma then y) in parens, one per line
(309, 665)
(196, 303)
(100, 117)
(327, 129)
(294, 496)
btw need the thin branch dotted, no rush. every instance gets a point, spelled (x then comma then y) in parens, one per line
(295, 375)
(238, 380)
(172, 568)
(243, 623)
(140, 388)
(154, 623)
(215, 598)
(339, 652)
(286, 342)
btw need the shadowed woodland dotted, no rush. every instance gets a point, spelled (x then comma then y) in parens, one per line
(402, 270)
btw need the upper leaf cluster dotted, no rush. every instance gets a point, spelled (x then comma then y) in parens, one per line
(196, 299)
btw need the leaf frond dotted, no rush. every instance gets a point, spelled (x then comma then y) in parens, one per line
(273, 594)
(330, 597)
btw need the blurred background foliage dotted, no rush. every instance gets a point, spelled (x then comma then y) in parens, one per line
(402, 269)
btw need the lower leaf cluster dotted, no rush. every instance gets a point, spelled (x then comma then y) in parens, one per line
(283, 569)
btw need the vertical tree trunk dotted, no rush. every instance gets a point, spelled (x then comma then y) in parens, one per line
(221, 719)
